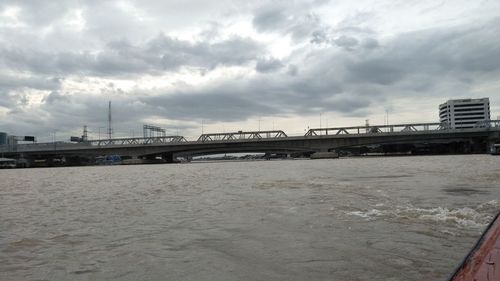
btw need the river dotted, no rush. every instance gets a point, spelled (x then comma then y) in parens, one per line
(392, 218)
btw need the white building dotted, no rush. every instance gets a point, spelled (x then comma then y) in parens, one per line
(464, 113)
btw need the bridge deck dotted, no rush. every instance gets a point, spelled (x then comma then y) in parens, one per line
(385, 131)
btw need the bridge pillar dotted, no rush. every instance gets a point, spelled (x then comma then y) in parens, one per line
(322, 149)
(168, 157)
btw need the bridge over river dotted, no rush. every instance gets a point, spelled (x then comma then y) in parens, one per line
(315, 140)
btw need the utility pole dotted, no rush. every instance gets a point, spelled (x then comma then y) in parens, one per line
(100, 131)
(85, 136)
(54, 139)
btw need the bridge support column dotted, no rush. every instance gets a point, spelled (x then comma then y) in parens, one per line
(168, 157)
(324, 153)
(490, 145)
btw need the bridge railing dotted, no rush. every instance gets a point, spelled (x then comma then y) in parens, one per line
(240, 135)
(49, 146)
(374, 129)
(39, 146)
(487, 124)
(137, 141)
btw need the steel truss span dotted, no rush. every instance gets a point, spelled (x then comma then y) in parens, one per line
(138, 141)
(240, 135)
(404, 128)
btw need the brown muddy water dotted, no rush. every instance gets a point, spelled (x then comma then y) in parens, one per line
(399, 218)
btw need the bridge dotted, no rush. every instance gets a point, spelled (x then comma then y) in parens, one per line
(275, 141)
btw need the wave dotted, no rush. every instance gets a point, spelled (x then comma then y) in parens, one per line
(466, 217)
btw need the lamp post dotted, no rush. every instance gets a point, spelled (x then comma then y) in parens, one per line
(54, 139)
(100, 132)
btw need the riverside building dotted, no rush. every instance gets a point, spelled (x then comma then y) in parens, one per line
(464, 113)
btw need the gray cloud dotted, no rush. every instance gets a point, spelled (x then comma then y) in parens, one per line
(438, 55)
(158, 55)
(319, 37)
(369, 43)
(416, 63)
(11, 82)
(268, 65)
(39, 13)
(346, 42)
(13, 88)
(347, 68)
(293, 70)
(288, 17)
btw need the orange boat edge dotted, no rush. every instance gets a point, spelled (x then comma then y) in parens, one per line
(483, 261)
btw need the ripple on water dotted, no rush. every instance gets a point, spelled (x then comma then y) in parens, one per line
(460, 217)
(464, 190)
(23, 244)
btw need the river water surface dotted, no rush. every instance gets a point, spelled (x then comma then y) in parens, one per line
(400, 218)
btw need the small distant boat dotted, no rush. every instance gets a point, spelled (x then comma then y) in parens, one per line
(483, 261)
(7, 163)
(109, 160)
(324, 155)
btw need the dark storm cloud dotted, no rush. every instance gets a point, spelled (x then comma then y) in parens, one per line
(236, 105)
(158, 55)
(214, 105)
(438, 55)
(316, 89)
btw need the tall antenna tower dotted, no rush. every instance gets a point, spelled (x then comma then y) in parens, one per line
(110, 129)
(85, 135)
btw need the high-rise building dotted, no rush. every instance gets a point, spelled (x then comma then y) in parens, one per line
(464, 113)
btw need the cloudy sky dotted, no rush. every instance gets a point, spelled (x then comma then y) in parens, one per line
(238, 65)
